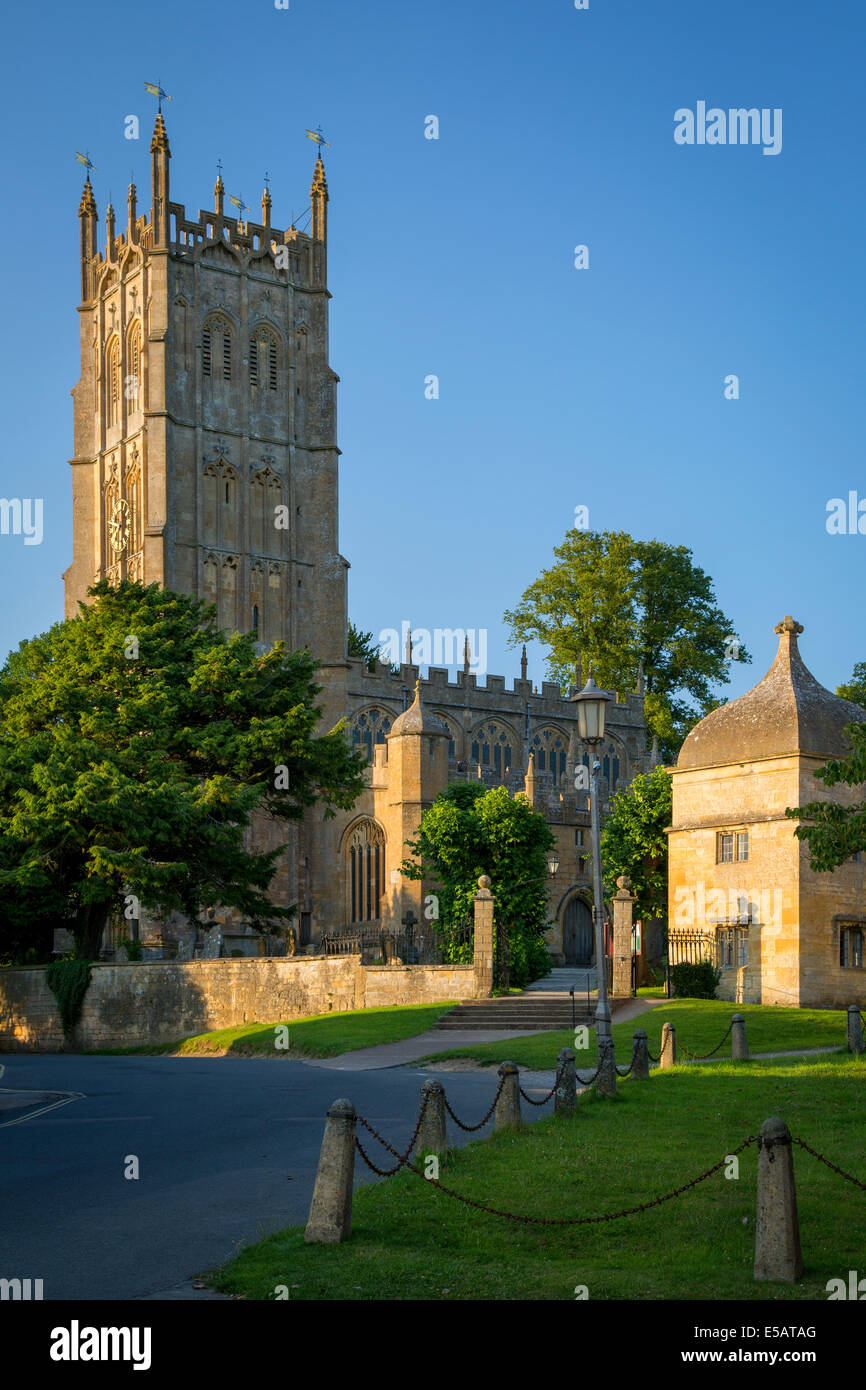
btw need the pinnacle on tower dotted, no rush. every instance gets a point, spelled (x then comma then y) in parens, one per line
(266, 203)
(160, 154)
(88, 215)
(319, 200)
(87, 205)
(159, 139)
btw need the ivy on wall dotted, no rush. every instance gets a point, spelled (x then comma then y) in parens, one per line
(68, 981)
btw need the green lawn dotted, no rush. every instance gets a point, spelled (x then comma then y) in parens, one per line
(699, 1024)
(410, 1241)
(321, 1035)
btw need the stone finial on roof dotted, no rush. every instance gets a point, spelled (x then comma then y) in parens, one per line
(788, 624)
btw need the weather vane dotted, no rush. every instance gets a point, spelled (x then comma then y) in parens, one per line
(239, 203)
(156, 90)
(86, 161)
(319, 138)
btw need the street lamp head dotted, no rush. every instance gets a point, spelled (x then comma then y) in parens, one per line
(591, 708)
(552, 865)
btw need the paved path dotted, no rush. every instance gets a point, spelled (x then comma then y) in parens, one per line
(397, 1054)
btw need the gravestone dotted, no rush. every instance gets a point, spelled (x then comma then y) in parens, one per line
(212, 944)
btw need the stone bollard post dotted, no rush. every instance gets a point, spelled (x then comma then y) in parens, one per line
(330, 1219)
(605, 1082)
(669, 1046)
(640, 1069)
(565, 1095)
(483, 909)
(507, 1114)
(431, 1135)
(777, 1229)
(623, 906)
(739, 1041)
(855, 1029)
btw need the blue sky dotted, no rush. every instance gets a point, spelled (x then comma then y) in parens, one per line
(454, 257)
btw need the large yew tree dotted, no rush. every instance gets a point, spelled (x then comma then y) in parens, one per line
(623, 606)
(136, 742)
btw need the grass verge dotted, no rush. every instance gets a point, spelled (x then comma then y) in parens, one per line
(410, 1241)
(321, 1035)
(699, 1023)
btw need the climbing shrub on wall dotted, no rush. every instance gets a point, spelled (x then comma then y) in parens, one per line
(68, 981)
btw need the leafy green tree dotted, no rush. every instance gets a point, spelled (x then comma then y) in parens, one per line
(136, 742)
(361, 645)
(623, 606)
(470, 831)
(833, 832)
(634, 842)
(855, 690)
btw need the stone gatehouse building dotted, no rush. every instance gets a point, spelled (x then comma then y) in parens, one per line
(206, 460)
(739, 878)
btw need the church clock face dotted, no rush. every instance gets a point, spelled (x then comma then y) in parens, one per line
(118, 527)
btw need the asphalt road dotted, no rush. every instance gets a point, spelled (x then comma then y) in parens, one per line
(227, 1151)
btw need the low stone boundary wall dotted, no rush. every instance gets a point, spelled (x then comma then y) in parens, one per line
(151, 1002)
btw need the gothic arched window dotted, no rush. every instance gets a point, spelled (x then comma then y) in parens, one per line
(452, 733)
(369, 728)
(133, 367)
(216, 349)
(113, 382)
(492, 747)
(550, 748)
(610, 765)
(365, 871)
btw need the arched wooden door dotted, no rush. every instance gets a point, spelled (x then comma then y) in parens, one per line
(577, 933)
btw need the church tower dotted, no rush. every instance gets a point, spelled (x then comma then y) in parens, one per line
(205, 454)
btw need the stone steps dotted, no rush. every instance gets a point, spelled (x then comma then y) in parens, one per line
(523, 1013)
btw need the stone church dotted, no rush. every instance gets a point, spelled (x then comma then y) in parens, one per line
(206, 408)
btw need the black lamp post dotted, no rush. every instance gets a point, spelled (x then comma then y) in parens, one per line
(591, 710)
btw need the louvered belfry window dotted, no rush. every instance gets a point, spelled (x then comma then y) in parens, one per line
(215, 336)
(263, 362)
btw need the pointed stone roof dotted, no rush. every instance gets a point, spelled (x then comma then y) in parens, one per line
(787, 712)
(417, 720)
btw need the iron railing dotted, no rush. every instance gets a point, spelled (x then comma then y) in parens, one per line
(425, 944)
